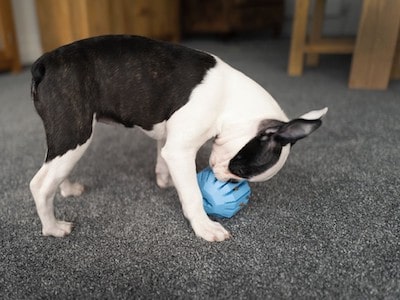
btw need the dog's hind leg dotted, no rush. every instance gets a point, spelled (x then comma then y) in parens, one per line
(55, 170)
(63, 92)
(44, 187)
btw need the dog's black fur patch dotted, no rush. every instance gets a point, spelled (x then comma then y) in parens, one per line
(129, 79)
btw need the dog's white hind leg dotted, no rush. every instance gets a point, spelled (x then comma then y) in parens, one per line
(44, 187)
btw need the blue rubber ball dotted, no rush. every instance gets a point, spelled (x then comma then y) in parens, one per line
(222, 199)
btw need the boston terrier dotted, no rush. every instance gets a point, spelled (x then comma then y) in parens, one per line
(179, 96)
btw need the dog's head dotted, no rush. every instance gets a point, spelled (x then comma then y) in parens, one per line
(261, 156)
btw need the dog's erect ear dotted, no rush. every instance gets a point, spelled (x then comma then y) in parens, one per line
(300, 128)
(295, 130)
(290, 132)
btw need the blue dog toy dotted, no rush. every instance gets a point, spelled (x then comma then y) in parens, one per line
(222, 199)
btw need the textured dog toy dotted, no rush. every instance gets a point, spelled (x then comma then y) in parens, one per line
(222, 199)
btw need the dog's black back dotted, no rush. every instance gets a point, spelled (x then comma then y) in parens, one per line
(128, 79)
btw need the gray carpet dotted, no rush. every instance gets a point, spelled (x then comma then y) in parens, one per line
(327, 226)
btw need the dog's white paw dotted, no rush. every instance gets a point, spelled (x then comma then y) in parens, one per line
(69, 189)
(209, 230)
(164, 180)
(58, 229)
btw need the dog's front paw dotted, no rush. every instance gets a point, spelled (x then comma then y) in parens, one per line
(58, 229)
(69, 189)
(209, 230)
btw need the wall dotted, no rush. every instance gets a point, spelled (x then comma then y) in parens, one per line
(341, 18)
(27, 30)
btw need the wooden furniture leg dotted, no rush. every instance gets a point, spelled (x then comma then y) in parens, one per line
(375, 45)
(395, 74)
(298, 41)
(312, 59)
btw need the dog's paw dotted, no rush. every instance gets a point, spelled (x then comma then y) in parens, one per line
(164, 180)
(69, 189)
(58, 229)
(209, 230)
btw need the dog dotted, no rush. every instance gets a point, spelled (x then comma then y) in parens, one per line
(179, 96)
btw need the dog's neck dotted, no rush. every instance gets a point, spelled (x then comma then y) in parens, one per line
(245, 99)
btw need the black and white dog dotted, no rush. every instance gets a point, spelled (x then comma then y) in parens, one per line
(179, 96)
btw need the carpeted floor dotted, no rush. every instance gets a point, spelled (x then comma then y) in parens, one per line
(327, 226)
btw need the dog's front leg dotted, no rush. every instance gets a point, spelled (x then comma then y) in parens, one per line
(182, 167)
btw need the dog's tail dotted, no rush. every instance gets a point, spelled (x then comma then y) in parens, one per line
(38, 71)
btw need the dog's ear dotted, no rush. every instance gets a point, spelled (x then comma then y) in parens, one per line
(299, 128)
(295, 130)
(291, 132)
